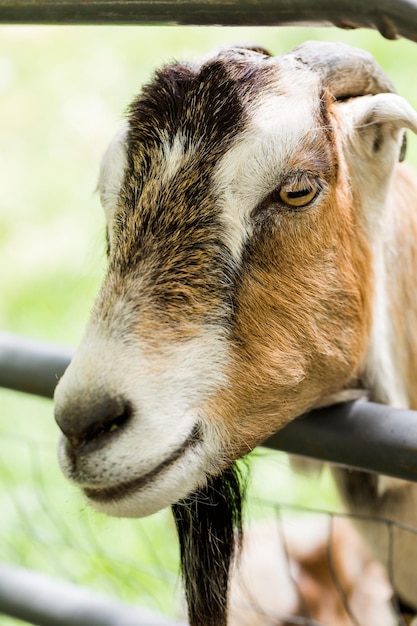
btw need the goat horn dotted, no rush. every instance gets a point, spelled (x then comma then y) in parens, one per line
(347, 72)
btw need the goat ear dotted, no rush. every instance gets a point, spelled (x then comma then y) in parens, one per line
(377, 125)
(385, 108)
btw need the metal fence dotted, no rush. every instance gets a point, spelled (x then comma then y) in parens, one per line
(381, 439)
(390, 17)
(43, 600)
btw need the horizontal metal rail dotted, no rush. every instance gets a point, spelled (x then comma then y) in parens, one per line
(31, 366)
(359, 434)
(391, 17)
(41, 600)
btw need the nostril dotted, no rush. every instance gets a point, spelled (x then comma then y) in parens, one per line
(83, 422)
(108, 423)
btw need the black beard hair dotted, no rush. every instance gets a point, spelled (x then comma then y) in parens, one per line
(209, 526)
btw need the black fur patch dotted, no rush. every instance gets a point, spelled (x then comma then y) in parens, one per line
(171, 233)
(200, 104)
(209, 525)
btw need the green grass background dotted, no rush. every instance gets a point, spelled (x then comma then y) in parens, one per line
(63, 91)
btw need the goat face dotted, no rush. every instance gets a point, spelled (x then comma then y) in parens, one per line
(239, 284)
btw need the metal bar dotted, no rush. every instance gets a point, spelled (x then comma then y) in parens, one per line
(360, 434)
(45, 601)
(31, 366)
(391, 17)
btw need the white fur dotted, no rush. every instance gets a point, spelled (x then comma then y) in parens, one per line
(173, 154)
(167, 389)
(383, 363)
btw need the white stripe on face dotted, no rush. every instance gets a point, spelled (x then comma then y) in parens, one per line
(256, 162)
(173, 153)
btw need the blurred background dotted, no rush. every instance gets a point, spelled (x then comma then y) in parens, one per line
(63, 93)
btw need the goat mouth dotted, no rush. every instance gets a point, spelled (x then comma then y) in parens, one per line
(122, 490)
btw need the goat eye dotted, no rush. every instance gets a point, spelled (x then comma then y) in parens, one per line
(298, 193)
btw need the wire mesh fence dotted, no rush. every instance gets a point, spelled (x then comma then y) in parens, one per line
(323, 574)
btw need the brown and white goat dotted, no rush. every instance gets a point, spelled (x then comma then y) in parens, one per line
(262, 254)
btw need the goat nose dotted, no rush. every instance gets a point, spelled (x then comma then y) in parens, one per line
(83, 422)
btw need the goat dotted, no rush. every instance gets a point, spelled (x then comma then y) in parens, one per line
(261, 255)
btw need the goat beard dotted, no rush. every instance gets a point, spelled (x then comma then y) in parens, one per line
(209, 526)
